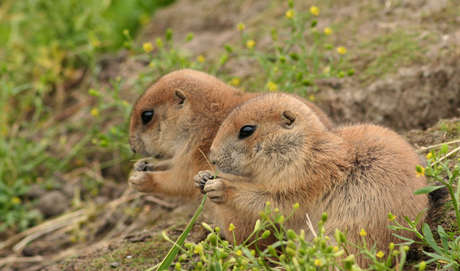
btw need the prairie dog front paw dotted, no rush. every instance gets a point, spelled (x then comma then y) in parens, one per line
(216, 190)
(145, 164)
(201, 178)
(142, 181)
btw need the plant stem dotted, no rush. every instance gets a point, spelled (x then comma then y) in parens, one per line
(455, 203)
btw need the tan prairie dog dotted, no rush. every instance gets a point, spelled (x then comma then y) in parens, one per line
(279, 151)
(176, 120)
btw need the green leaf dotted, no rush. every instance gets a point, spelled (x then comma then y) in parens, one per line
(427, 189)
(444, 241)
(429, 238)
(216, 266)
(410, 241)
(436, 257)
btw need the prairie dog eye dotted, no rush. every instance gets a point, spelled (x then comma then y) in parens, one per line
(246, 131)
(147, 116)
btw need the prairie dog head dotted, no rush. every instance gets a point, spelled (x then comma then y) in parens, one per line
(265, 135)
(162, 117)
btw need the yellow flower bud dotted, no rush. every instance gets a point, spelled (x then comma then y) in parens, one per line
(250, 44)
(201, 59)
(327, 31)
(341, 50)
(290, 14)
(148, 47)
(314, 10)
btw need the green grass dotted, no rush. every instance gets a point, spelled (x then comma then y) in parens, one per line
(388, 52)
(45, 48)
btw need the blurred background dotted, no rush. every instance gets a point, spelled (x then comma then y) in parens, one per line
(70, 71)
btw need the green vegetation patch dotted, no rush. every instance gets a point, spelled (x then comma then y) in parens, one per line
(386, 53)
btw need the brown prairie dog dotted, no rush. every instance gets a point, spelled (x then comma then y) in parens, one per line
(278, 151)
(176, 120)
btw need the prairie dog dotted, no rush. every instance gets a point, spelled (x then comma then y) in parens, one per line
(274, 148)
(176, 120)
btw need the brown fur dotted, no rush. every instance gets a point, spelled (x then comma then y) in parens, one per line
(189, 107)
(357, 174)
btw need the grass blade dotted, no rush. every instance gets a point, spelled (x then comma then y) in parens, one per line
(180, 241)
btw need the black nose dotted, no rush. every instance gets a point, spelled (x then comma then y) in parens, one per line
(133, 150)
(213, 161)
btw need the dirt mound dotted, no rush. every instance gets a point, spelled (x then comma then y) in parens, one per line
(416, 98)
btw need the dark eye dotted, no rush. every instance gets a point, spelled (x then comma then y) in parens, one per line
(147, 116)
(246, 131)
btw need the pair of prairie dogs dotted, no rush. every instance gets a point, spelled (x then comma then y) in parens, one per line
(272, 147)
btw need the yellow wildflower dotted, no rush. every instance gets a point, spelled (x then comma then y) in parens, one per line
(240, 27)
(420, 171)
(272, 86)
(318, 262)
(16, 200)
(198, 248)
(250, 44)
(290, 14)
(239, 252)
(341, 50)
(95, 112)
(126, 32)
(327, 31)
(311, 98)
(363, 232)
(380, 254)
(201, 59)
(391, 217)
(336, 248)
(232, 227)
(118, 78)
(236, 81)
(429, 156)
(327, 70)
(148, 47)
(152, 64)
(275, 69)
(314, 10)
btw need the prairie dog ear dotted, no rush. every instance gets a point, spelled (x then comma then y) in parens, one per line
(288, 119)
(180, 97)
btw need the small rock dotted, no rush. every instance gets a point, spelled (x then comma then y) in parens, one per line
(52, 203)
(28, 252)
(35, 192)
(114, 265)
